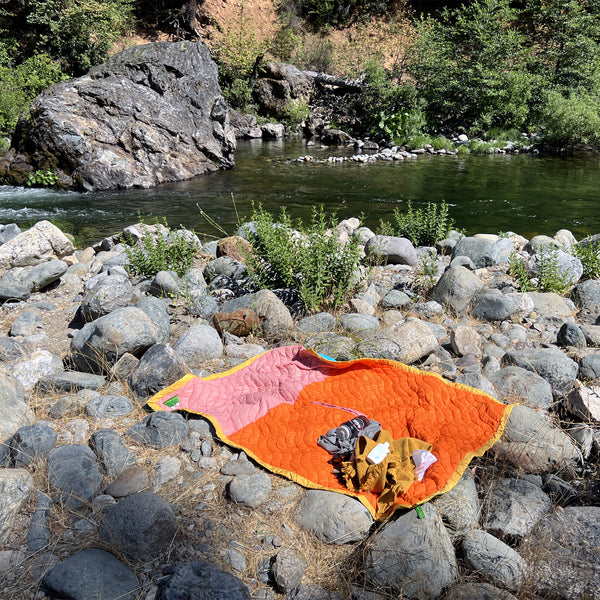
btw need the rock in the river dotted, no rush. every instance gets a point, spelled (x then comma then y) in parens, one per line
(15, 487)
(150, 114)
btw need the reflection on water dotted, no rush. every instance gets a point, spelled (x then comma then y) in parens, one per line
(523, 193)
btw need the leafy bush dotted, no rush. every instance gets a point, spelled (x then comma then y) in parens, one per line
(295, 112)
(166, 250)
(549, 275)
(575, 118)
(518, 270)
(308, 258)
(589, 254)
(21, 83)
(422, 226)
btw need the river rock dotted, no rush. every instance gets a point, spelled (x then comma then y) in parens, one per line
(392, 250)
(456, 288)
(276, 320)
(250, 490)
(141, 525)
(493, 306)
(549, 363)
(562, 551)
(14, 410)
(584, 403)
(336, 346)
(552, 308)
(31, 443)
(69, 381)
(512, 507)
(287, 570)
(533, 445)
(100, 343)
(460, 507)
(493, 560)
(587, 296)
(38, 536)
(407, 341)
(589, 365)
(109, 406)
(38, 277)
(240, 322)
(116, 126)
(160, 367)
(130, 481)
(201, 581)
(92, 573)
(358, 324)
(15, 487)
(570, 334)
(160, 430)
(412, 556)
(316, 323)
(8, 232)
(483, 252)
(396, 299)
(41, 242)
(40, 363)
(165, 469)
(112, 454)
(465, 340)
(334, 518)
(108, 294)
(515, 384)
(198, 343)
(73, 470)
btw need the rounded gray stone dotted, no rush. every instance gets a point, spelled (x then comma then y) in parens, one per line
(160, 430)
(412, 556)
(198, 343)
(316, 323)
(392, 250)
(92, 574)
(331, 344)
(30, 443)
(456, 288)
(250, 490)
(359, 323)
(334, 518)
(460, 506)
(27, 323)
(287, 570)
(493, 307)
(570, 334)
(15, 487)
(513, 507)
(515, 384)
(493, 560)
(109, 406)
(141, 525)
(108, 294)
(396, 299)
(113, 456)
(201, 581)
(477, 591)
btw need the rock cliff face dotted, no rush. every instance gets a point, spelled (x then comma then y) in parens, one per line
(149, 115)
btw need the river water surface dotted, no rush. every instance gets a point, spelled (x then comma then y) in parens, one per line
(486, 194)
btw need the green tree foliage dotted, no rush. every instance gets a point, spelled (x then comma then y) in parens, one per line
(77, 33)
(20, 83)
(470, 67)
(324, 13)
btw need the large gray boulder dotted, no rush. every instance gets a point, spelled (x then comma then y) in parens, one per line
(392, 250)
(515, 384)
(100, 343)
(43, 241)
(412, 556)
(150, 114)
(482, 251)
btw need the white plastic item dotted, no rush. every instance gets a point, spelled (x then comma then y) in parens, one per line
(423, 460)
(378, 453)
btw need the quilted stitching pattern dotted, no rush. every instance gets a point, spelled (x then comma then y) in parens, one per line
(269, 407)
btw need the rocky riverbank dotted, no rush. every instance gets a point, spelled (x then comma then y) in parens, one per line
(101, 500)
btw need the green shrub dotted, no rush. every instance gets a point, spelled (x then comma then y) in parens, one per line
(589, 254)
(419, 141)
(518, 270)
(422, 226)
(295, 112)
(166, 250)
(442, 143)
(549, 276)
(306, 257)
(575, 118)
(42, 178)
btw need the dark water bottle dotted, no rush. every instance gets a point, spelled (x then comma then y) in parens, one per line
(352, 428)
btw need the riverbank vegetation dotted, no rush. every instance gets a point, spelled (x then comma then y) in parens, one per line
(484, 67)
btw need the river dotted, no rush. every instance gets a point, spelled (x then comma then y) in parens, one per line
(523, 193)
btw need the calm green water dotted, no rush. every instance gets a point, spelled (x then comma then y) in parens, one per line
(523, 193)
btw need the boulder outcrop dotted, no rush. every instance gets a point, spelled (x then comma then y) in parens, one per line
(150, 114)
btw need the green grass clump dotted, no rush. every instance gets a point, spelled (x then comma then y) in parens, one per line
(518, 270)
(167, 250)
(442, 143)
(481, 147)
(422, 226)
(549, 275)
(307, 257)
(419, 140)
